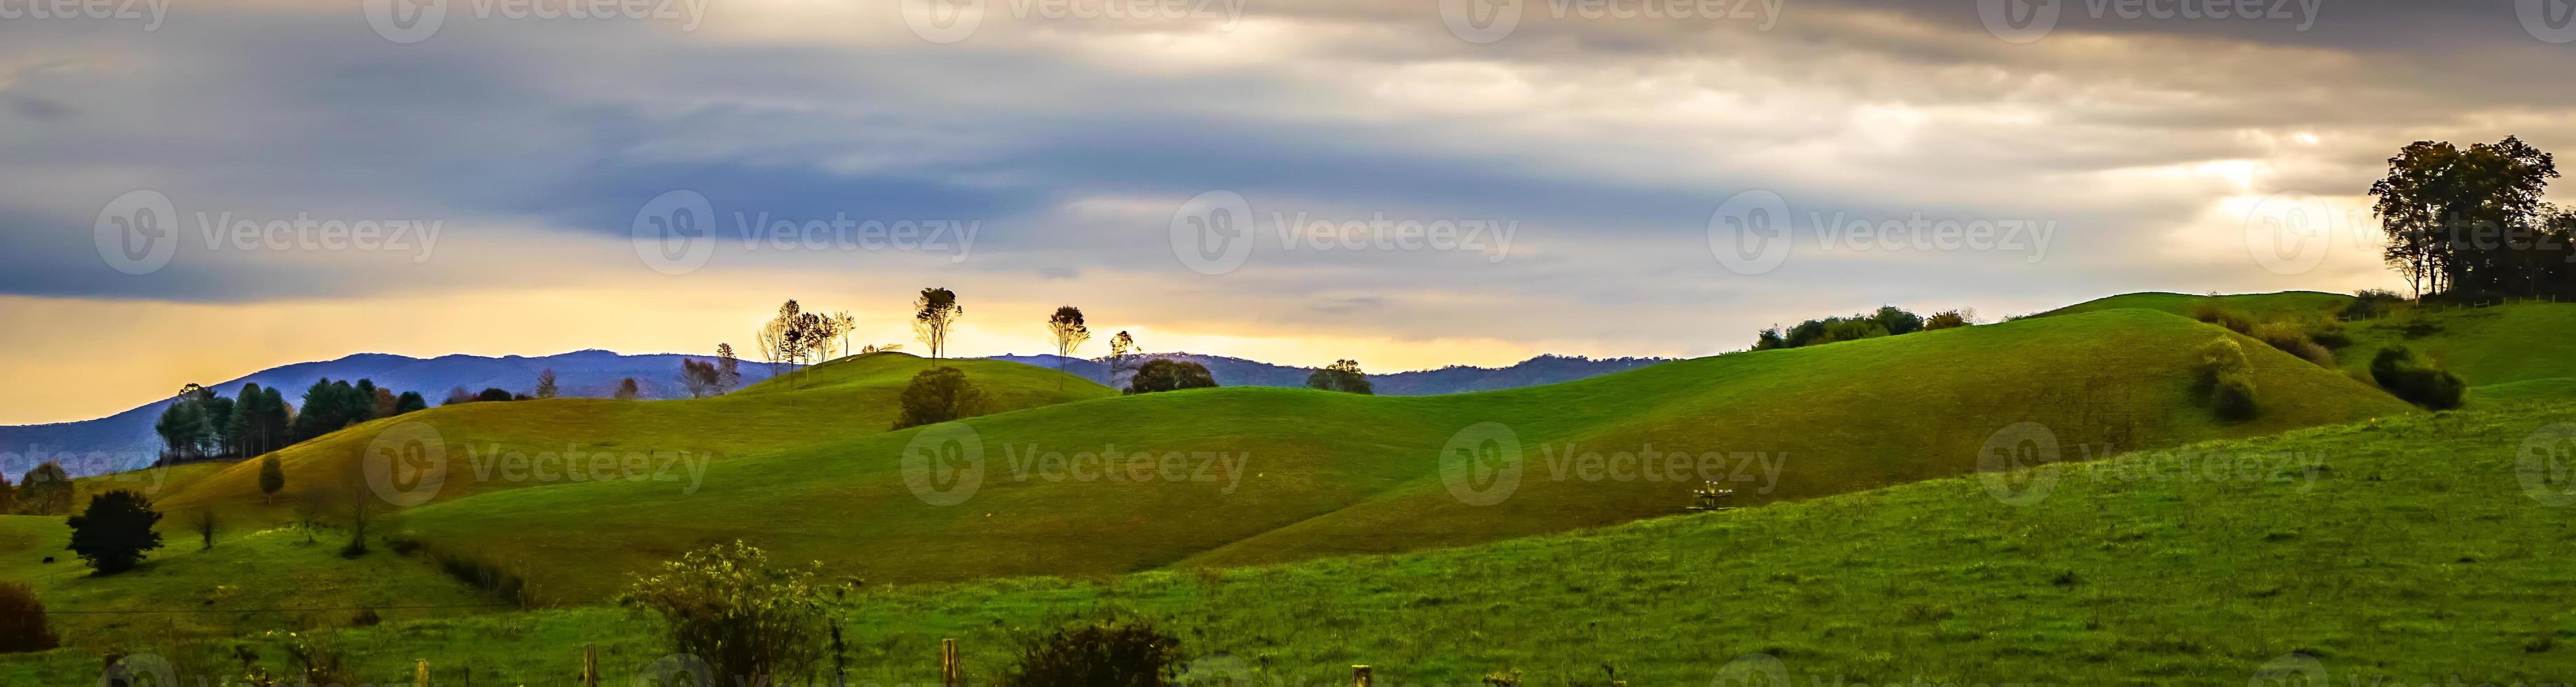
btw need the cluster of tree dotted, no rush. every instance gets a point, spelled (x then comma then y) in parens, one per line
(799, 338)
(1165, 374)
(330, 405)
(200, 424)
(2470, 224)
(703, 378)
(1886, 321)
(1342, 375)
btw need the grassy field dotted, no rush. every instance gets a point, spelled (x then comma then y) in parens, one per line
(2406, 548)
(1272, 475)
(2506, 353)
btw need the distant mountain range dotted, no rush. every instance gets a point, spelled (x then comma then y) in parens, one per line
(125, 440)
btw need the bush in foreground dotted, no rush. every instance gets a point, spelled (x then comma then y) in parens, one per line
(2408, 376)
(2293, 339)
(115, 531)
(1103, 654)
(22, 621)
(937, 395)
(749, 621)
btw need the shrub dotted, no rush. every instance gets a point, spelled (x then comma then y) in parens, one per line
(2329, 334)
(747, 620)
(2227, 381)
(22, 621)
(937, 395)
(2370, 303)
(2212, 312)
(115, 531)
(1342, 375)
(1896, 321)
(1948, 320)
(2292, 339)
(1165, 374)
(2418, 381)
(1103, 654)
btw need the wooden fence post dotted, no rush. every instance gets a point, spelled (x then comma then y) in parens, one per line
(420, 672)
(589, 665)
(1359, 676)
(952, 671)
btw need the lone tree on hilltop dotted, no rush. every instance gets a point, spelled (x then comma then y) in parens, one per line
(116, 530)
(933, 314)
(1069, 333)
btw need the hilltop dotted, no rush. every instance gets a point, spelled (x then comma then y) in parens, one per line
(1273, 475)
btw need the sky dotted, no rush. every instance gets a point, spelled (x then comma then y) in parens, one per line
(196, 190)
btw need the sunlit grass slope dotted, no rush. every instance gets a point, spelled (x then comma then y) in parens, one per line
(1265, 475)
(2511, 353)
(849, 397)
(2403, 550)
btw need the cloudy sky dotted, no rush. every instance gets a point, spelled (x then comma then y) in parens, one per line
(201, 189)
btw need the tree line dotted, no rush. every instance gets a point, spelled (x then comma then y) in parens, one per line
(2469, 224)
(201, 424)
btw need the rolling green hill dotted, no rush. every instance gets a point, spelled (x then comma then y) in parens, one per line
(1269, 475)
(562, 439)
(2401, 550)
(2508, 353)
